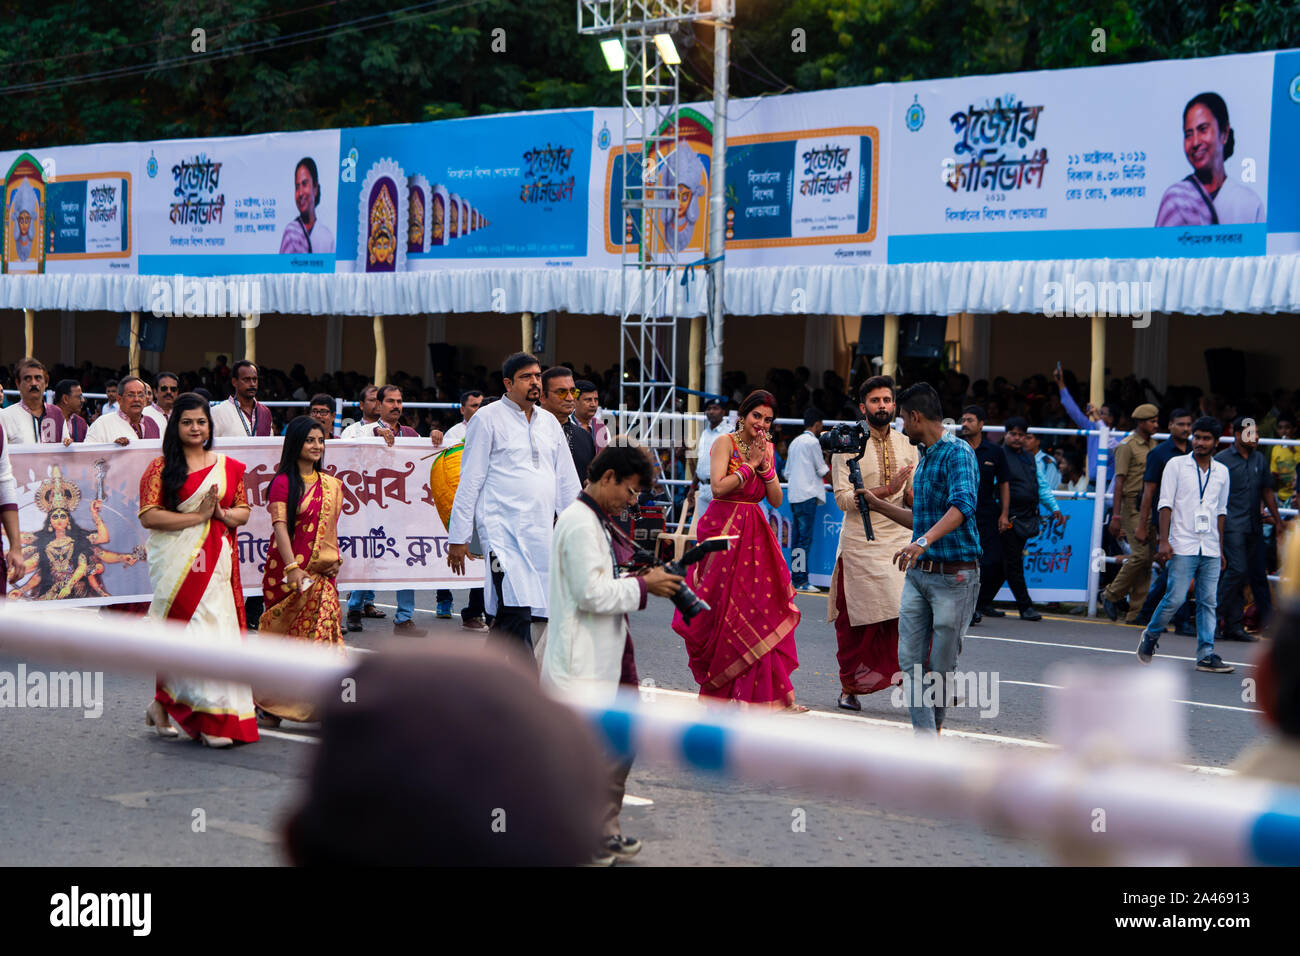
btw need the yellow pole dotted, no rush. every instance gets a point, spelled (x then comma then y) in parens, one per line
(1097, 381)
(29, 332)
(526, 330)
(695, 376)
(250, 342)
(381, 353)
(889, 352)
(133, 352)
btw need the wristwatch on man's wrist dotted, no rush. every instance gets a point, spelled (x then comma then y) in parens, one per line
(921, 543)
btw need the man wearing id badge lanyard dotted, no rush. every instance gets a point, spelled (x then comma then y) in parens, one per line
(1193, 508)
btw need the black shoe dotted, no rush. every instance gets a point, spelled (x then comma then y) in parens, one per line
(849, 702)
(1029, 614)
(991, 611)
(976, 618)
(1147, 647)
(354, 621)
(1186, 630)
(1142, 620)
(1214, 664)
(1111, 608)
(1240, 635)
(623, 847)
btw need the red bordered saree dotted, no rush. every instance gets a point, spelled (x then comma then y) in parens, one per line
(742, 648)
(195, 577)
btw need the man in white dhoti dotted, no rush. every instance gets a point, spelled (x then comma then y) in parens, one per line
(516, 471)
(866, 588)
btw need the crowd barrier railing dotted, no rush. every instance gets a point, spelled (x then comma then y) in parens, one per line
(1112, 792)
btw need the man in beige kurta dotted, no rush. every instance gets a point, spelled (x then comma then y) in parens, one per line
(866, 587)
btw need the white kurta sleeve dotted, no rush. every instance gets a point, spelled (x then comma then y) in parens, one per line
(588, 571)
(99, 432)
(473, 473)
(8, 486)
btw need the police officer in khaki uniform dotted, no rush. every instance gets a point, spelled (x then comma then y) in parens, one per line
(1130, 465)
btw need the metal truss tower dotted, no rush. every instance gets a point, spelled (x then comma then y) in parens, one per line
(651, 267)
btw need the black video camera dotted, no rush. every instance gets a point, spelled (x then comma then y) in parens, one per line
(846, 438)
(686, 600)
(850, 438)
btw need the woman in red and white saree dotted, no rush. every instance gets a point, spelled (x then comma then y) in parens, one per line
(192, 500)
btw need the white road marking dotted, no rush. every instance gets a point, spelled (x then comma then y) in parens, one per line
(649, 694)
(1189, 703)
(300, 738)
(1084, 647)
(631, 801)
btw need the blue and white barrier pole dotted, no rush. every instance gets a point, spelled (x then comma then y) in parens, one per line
(1152, 810)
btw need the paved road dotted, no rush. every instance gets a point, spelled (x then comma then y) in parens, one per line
(106, 791)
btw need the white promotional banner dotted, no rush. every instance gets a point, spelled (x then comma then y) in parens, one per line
(1084, 163)
(239, 205)
(390, 535)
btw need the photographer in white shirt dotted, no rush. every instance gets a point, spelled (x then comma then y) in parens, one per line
(589, 603)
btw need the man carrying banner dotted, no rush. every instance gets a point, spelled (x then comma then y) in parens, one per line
(866, 588)
(390, 426)
(128, 421)
(517, 470)
(242, 416)
(67, 395)
(32, 420)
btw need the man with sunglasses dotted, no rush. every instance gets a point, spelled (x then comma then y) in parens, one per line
(165, 392)
(560, 398)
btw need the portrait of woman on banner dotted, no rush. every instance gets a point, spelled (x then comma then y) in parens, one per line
(1208, 196)
(299, 584)
(191, 501)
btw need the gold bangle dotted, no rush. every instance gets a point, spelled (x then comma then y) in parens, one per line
(292, 567)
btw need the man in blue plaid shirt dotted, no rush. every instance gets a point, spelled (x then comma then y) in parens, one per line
(941, 563)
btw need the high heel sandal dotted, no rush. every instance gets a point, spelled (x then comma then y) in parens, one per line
(161, 724)
(209, 741)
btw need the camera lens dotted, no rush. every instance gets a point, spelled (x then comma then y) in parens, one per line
(688, 603)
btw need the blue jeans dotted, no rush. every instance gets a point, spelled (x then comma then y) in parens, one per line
(1182, 568)
(804, 512)
(405, 606)
(405, 603)
(932, 619)
(1159, 580)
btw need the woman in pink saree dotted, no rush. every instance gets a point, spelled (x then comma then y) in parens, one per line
(742, 649)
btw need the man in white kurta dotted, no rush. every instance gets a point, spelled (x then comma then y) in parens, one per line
(866, 587)
(517, 472)
(128, 423)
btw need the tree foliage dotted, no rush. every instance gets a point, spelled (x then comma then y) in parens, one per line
(82, 72)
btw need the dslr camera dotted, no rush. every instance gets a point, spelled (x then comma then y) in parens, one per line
(686, 600)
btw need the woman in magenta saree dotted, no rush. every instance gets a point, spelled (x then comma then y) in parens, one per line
(742, 649)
